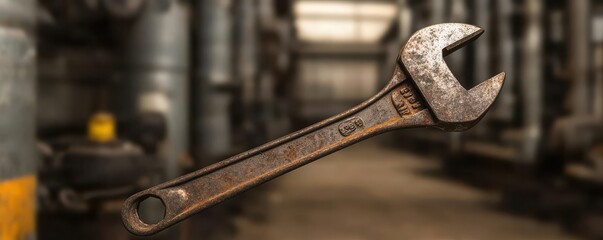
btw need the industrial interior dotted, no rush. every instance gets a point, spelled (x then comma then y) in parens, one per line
(100, 99)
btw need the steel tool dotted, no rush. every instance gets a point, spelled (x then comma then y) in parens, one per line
(422, 92)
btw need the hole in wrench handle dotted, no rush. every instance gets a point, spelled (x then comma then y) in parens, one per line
(174, 202)
(131, 218)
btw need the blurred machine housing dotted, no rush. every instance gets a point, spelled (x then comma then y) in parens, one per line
(172, 79)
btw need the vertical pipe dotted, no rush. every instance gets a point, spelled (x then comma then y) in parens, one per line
(17, 120)
(267, 79)
(598, 85)
(579, 16)
(531, 78)
(157, 69)
(482, 47)
(404, 20)
(247, 65)
(248, 55)
(458, 11)
(504, 108)
(212, 116)
(438, 11)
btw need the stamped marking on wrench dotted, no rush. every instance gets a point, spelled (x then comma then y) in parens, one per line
(350, 126)
(421, 93)
(406, 101)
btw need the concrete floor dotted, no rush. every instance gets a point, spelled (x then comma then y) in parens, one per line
(373, 192)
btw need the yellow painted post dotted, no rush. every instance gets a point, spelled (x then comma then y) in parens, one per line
(17, 206)
(18, 155)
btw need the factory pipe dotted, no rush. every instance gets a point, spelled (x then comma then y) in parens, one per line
(531, 75)
(17, 120)
(212, 126)
(157, 74)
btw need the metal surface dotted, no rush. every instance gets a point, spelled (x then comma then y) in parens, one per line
(82, 173)
(454, 107)
(18, 155)
(404, 20)
(247, 60)
(506, 59)
(90, 165)
(532, 80)
(405, 102)
(481, 18)
(598, 85)
(157, 70)
(17, 94)
(213, 132)
(458, 13)
(579, 57)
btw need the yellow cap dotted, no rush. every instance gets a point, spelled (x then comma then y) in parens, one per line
(101, 127)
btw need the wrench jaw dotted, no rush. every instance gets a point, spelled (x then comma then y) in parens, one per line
(453, 107)
(485, 94)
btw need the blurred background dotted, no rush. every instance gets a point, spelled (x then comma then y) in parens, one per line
(102, 98)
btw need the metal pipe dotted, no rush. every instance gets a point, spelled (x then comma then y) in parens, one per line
(579, 56)
(405, 22)
(18, 155)
(157, 73)
(248, 45)
(458, 11)
(267, 81)
(506, 53)
(598, 85)
(212, 116)
(482, 48)
(438, 11)
(247, 59)
(531, 79)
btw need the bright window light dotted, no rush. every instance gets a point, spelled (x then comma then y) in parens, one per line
(342, 21)
(326, 8)
(344, 9)
(331, 30)
(372, 31)
(384, 10)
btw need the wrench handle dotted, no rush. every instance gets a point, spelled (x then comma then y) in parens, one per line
(194, 192)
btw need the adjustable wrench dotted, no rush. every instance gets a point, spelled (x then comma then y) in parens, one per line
(422, 92)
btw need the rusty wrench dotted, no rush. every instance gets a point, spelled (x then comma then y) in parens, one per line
(422, 92)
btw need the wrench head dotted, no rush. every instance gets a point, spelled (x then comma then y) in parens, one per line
(454, 108)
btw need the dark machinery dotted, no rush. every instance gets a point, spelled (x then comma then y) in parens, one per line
(80, 172)
(151, 90)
